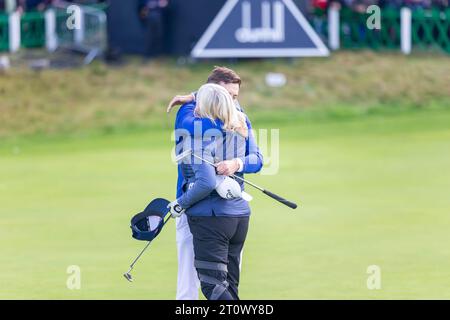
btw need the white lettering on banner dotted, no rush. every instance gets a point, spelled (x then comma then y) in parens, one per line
(266, 33)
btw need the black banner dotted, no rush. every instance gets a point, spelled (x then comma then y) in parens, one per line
(269, 309)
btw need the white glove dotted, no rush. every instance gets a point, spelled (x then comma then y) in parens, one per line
(175, 209)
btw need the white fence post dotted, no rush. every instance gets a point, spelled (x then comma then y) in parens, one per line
(10, 6)
(14, 31)
(405, 20)
(333, 28)
(51, 41)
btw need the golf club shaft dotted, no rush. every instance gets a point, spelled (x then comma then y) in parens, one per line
(143, 250)
(140, 254)
(234, 176)
(248, 182)
(288, 203)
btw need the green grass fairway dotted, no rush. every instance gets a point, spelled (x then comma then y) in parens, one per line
(374, 190)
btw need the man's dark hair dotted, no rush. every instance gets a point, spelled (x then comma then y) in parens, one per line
(225, 75)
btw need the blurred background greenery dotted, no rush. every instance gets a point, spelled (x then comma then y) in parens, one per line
(365, 145)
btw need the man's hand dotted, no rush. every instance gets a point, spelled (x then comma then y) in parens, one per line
(179, 100)
(175, 209)
(228, 167)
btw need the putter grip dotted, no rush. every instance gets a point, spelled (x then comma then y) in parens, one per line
(280, 199)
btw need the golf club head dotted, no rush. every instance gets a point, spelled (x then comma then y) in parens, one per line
(128, 277)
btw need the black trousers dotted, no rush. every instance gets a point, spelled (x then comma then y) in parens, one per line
(218, 242)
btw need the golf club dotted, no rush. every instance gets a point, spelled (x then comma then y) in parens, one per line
(127, 274)
(288, 203)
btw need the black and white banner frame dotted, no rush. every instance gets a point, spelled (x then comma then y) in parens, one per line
(201, 51)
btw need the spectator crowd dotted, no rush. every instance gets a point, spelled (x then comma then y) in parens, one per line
(316, 5)
(39, 5)
(362, 5)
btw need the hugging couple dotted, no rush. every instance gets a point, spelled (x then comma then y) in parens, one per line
(211, 208)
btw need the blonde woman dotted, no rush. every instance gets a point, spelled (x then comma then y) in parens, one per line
(215, 103)
(218, 225)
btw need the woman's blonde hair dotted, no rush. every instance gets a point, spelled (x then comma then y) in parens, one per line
(214, 102)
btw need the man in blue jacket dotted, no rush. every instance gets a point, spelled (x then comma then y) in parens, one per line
(187, 283)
